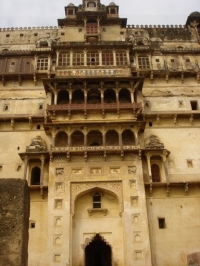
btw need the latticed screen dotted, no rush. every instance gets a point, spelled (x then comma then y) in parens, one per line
(121, 58)
(78, 59)
(92, 28)
(107, 57)
(64, 59)
(143, 62)
(42, 64)
(92, 58)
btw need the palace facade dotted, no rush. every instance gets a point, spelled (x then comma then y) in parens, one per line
(102, 120)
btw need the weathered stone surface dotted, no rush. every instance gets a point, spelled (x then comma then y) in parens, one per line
(14, 217)
(193, 259)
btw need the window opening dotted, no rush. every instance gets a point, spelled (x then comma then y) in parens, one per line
(32, 225)
(172, 60)
(92, 28)
(155, 171)
(35, 176)
(107, 57)
(93, 58)
(35, 34)
(64, 59)
(161, 223)
(40, 106)
(6, 107)
(194, 105)
(78, 58)
(157, 60)
(96, 200)
(121, 58)
(143, 62)
(7, 35)
(70, 12)
(42, 64)
(112, 11)
(150, 124)
(38, 126)
(21, 35)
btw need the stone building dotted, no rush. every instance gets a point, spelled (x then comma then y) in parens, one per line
(102, 119)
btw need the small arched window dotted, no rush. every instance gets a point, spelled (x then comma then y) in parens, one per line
(35, 176)
(155, 171)
(96, 200)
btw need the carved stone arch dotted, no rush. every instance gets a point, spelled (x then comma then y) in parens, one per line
(112, 137)
(124, 95)
(94, 96)
(63, 97)
(94, 136)
(77, 138)
(78, 189)
(61, 138)
(78, 96)
(128, 137)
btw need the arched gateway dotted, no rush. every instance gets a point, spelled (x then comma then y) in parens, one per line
(98, 252)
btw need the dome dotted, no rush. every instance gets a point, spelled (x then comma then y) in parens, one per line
(112, 4)
(195, 13)
(71, 4)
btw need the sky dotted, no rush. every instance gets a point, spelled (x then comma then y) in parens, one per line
(34, 13)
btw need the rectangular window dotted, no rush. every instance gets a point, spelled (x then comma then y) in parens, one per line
(42, 64)
(96, 200)
(161, 223)
(121, 58)
(92, 58)
(143, 62)
(78, 59)
(64, 59)
(107, 58)
(194, 105)
(6, 107)
(92, 28)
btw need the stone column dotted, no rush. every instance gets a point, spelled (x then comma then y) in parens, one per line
(128, 57)
(71, 57)
(42, 170)
(55, 97)
(57, 58)
(148, 156)
(25, 166)
(85, 57)
(100, 57)
(114, 57)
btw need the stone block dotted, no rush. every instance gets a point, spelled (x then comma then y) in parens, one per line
(14, 217)
(193, 259)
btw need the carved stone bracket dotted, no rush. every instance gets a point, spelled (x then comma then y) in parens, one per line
(78, 189)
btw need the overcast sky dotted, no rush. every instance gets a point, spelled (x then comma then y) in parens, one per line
(28, 13)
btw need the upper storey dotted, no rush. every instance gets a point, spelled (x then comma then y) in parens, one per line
(92, 11)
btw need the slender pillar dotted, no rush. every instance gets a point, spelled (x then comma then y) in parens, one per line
(148, 156)
(71, 57)
(25, 166)
(128, 57)
(114, 57)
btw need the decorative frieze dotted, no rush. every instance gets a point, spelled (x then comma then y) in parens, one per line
(94, 72)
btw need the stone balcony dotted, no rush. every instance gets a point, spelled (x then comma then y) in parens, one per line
(87, 108)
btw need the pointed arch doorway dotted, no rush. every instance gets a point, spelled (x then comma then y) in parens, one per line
(98, 253)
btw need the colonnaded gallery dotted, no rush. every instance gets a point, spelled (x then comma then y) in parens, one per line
(102, 119)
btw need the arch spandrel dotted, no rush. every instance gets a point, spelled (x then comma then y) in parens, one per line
(115, 187)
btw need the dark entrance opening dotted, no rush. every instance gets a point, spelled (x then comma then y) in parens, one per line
(98, 253)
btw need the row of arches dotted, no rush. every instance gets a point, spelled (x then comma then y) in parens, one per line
(95, 138)
(94, 96)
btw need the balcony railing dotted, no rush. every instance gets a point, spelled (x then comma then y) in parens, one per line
(95, 148)
(100, 106)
